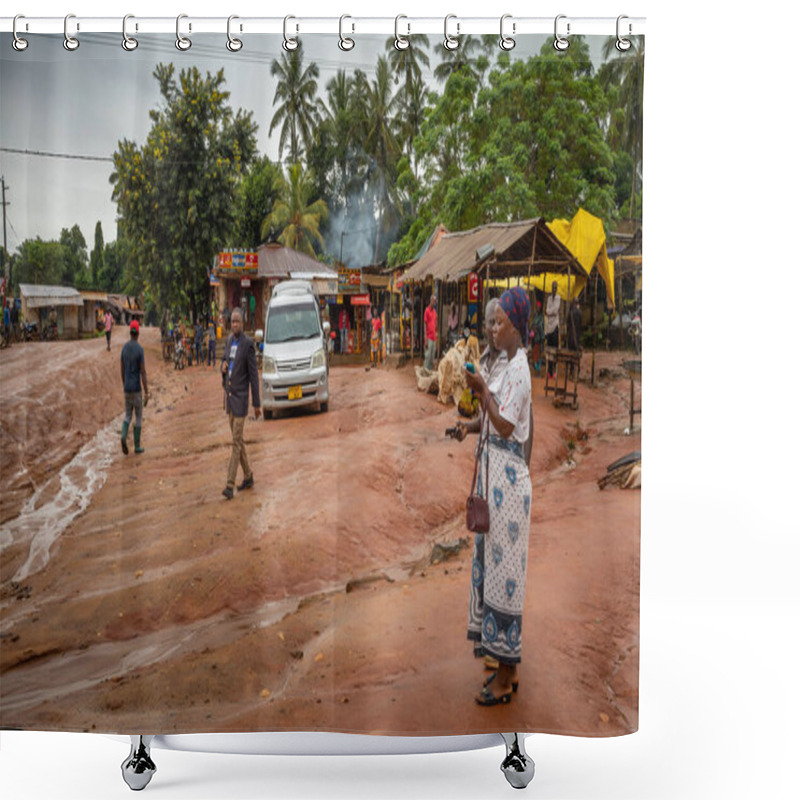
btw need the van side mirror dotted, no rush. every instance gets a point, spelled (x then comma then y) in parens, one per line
(259, 335)
(326, 327)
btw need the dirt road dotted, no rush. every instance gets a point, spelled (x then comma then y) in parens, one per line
(332, 596)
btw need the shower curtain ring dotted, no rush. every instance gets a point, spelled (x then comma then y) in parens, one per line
(19, 44)
(401, 42)
(183, 43)
(561, 43)
(451, 42)
(507, 42)
(128, 42)
(70, 42)
(622, 44)
(345, 42)
(289, 42)
(233, 44)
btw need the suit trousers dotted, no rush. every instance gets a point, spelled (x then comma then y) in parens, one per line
(238, 454)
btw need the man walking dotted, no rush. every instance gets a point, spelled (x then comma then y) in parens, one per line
(108, 323)
(131, 366)
(198, 342)
(239, 373)
(430, 333)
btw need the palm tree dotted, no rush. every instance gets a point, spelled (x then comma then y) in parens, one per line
(460, 59)
(380, 144)
(407, 62)
(299, 109)
(291, 213)
(625, 74)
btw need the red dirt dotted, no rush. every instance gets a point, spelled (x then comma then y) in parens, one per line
(311, 601)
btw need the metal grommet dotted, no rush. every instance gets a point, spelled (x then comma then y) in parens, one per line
(401, 42)
(183, 43)
(450, 42)
(345, 42)
(507, 42)
(233, 44)
(622, 44)
(289, 42)
(561, 43)
(19, 44)
(128, 42)
(70, 42)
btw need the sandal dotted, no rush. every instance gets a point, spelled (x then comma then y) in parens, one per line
(487, 698)
(514, 684)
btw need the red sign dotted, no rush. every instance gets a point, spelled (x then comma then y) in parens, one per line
(473, 284)
(359, 299)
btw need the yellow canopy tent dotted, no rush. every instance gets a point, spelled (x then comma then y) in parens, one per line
(585, 238)
(544, 282)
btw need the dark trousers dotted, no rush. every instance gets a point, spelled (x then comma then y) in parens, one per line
(212, 351)
(552, 341)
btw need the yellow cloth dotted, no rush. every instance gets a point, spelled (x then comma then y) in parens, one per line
(544, 282)
(585, 238)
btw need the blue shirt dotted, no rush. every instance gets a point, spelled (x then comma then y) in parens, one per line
(133, 361)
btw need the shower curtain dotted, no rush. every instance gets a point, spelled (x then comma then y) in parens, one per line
(154, 199)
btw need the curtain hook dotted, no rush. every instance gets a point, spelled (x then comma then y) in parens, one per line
(561, 43)
(233, 44)
(401, 42)
(19, 44)
(507, 42)
(345, 42)
(289, 42)
(183, 43)
(451, 42)
(622, 44)
(128, 42)
(70, 42)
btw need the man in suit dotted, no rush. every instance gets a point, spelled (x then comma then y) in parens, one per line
(239, 372)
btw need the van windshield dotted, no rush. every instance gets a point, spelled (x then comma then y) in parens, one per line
(292, 322)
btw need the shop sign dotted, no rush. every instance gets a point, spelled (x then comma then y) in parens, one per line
(245, 283)
(231, 262)
(349, 280)
(473, 283)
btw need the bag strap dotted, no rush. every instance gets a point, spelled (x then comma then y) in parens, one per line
(483, 442)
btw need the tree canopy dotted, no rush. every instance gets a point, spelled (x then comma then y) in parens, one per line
(176, 193)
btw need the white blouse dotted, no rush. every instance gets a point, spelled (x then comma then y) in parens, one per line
(514, 397)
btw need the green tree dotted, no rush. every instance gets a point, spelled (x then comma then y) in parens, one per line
(297, 219)
(113, 277)
(76, 259)
(256, 196)
(463, 59)
(39, 262)
(529, 143)
(96, 266)
(298, 110)
(176, 194)
(623, 79)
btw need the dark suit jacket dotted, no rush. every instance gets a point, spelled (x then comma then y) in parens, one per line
(244, 375)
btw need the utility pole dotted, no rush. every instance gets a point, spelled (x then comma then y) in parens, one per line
(5, 246)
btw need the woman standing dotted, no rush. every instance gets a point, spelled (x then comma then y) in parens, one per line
(502, 573)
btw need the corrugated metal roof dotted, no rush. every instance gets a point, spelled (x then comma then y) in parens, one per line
(455, 254)
(277, 261)
(56, 292)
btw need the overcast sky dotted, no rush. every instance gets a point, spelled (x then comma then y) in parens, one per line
(83, 103)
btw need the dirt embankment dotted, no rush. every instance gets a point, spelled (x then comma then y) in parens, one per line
(331, 596)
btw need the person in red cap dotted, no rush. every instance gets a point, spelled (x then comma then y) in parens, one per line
(134, 377)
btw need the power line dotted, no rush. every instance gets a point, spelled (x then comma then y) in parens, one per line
(55, 155)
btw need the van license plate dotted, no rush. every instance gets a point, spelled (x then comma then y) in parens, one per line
(295, 392)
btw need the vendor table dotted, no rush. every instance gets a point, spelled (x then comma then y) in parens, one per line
(568, 367)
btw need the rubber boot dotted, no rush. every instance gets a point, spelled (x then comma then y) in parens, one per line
(137, 440)
(125, 437)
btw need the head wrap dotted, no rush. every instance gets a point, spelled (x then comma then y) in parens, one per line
(517, 307)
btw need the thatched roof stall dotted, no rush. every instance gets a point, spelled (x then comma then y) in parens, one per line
(501, 250)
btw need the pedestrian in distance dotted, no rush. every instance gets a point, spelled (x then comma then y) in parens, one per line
(198, 342)
(430, 333)
(134, 377)
(239, 373)
(212, 342)
(551, 317)
(108, 324)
